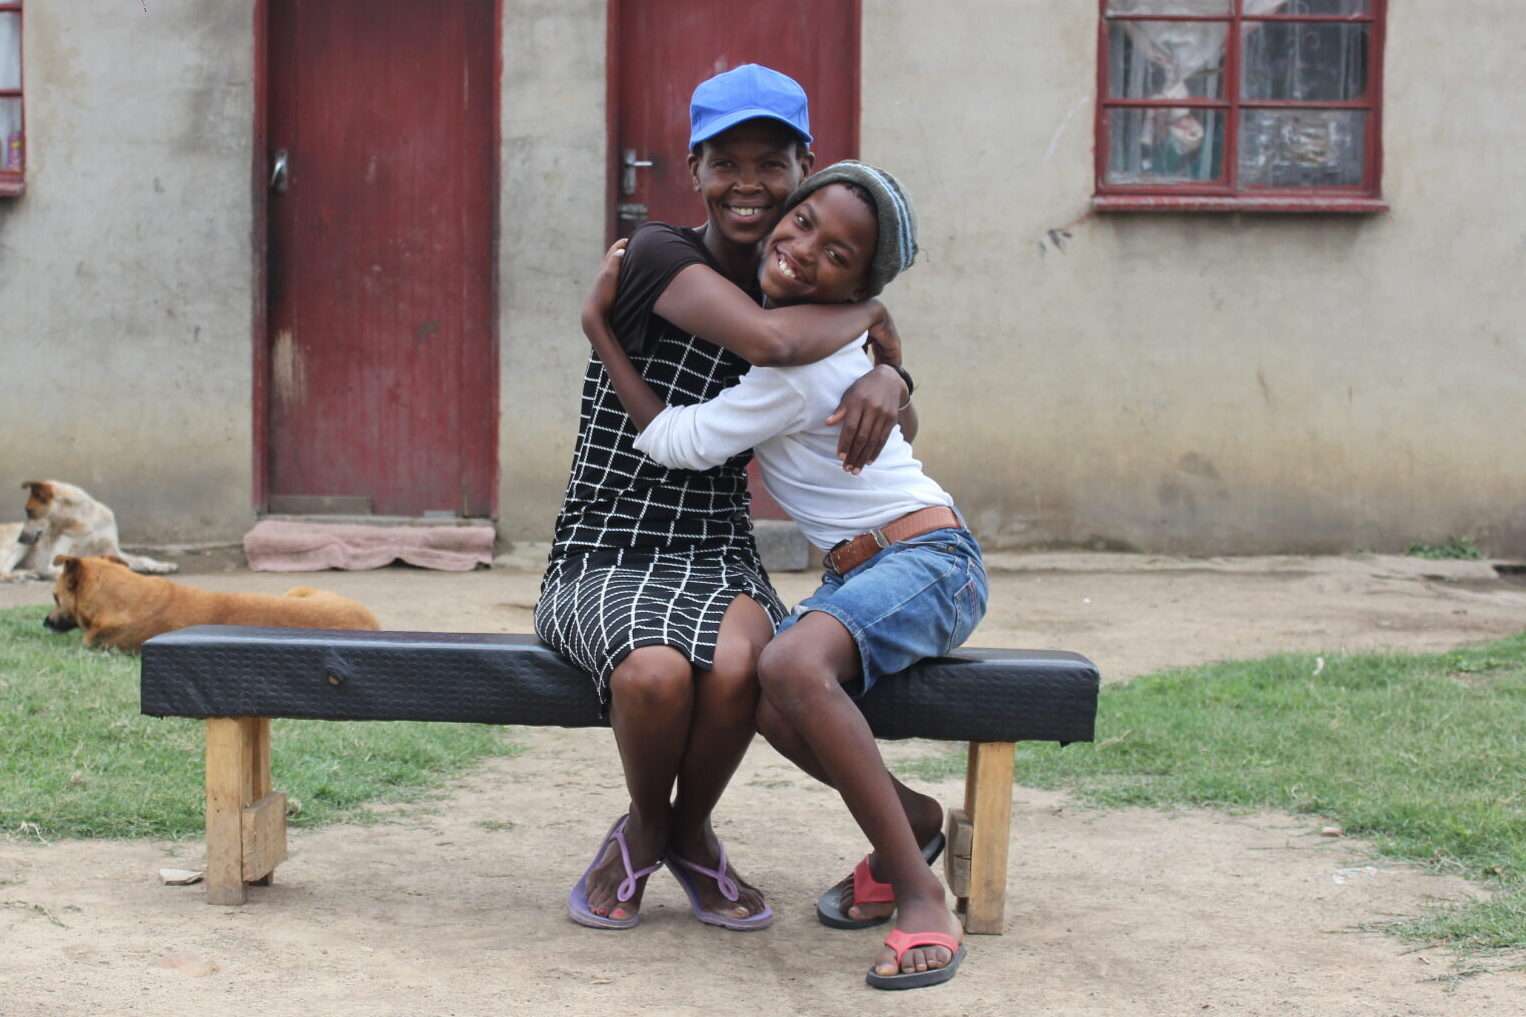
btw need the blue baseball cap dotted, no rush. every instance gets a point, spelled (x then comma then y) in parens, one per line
(747, 92)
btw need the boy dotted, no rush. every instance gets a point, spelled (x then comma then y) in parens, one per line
(904, 577)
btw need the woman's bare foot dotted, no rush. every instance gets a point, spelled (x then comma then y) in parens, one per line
(646, 841)
(702, 848)
(925, 823)
(919, 913)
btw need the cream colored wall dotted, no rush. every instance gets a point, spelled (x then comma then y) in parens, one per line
(551, 237)
(125, 270)
(1215, 384)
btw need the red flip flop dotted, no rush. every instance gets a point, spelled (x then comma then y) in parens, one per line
(900, 942)
(866, 890)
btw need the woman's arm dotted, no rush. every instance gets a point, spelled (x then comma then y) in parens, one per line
(705, 303)
(698, 437)
(869, 407)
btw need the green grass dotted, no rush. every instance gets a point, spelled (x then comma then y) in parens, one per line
(1454, 547)
(1423, 755)
(79, 760)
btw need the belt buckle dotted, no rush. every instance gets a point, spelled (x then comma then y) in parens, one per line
(831, 556)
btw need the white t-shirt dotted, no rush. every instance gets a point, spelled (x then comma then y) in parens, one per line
(780, 413)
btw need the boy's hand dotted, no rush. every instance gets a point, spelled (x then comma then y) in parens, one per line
(601, 298)
(868, 412)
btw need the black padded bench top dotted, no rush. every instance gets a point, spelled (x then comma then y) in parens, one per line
(231, 671)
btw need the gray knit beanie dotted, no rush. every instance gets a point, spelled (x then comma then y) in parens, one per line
(897, 247)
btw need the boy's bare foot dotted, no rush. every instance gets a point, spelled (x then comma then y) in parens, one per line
(927, 821)
(704, 849)
(920, 914)
(646, 841)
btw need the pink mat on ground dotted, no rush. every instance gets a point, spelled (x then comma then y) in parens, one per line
(276, 545)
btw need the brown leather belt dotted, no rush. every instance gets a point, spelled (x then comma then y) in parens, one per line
(849, 554)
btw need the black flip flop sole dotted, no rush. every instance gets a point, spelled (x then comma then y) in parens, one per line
(828, 905)
(917, 979)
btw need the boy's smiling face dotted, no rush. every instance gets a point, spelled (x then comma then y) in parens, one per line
(745, 174)
(822, 251)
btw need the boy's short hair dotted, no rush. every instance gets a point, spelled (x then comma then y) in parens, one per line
(897, 247)
(748, 92)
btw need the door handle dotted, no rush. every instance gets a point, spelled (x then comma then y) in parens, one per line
(278, 172)
(632, 164)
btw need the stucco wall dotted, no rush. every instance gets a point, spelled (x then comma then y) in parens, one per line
(1198, 383)
(125, 269)
(1208, 383)
(551, 239)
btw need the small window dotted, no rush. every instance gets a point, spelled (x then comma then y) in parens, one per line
(12, 126)
(1240, 105)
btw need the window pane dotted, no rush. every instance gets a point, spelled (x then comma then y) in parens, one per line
(1166, 59)
(1168, 7)
(1147, 146)
(10, 134)
(1302, 148)
(1335, 7)
(1308, 61)
(10, 50)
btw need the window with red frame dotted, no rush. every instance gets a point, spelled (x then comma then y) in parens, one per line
(12, 128)
(1240, 105)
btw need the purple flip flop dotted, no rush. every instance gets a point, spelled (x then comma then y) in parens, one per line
(577, 902)
(684, 871)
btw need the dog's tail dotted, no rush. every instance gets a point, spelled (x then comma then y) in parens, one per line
(153, 566)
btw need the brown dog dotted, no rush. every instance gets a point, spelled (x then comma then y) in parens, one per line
(63, 519)
(119, 608)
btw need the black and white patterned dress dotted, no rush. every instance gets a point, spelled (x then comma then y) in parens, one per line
(644, 555)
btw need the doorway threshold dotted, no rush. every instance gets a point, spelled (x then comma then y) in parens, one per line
(314, 543)
(357, 519)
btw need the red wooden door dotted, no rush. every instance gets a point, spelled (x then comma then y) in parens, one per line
(382, 352)
(661, 49)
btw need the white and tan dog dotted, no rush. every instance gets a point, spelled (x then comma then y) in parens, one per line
(62, 519)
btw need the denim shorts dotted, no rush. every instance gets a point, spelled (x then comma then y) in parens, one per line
(915, 599)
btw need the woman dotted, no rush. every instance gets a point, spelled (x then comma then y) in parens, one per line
(654, 585)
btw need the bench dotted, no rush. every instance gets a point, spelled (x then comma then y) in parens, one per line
(238, 678)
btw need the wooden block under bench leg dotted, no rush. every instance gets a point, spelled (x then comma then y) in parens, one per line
(978, 835)
(246, 820)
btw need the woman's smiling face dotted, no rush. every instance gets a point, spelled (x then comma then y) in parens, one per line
(822, 251)
(745, 174)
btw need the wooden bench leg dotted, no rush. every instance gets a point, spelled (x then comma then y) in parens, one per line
(978, 836)
(246, 820)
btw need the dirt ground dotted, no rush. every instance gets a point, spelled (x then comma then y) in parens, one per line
(458, 907)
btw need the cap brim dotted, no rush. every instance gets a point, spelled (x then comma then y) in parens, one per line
(730, 120)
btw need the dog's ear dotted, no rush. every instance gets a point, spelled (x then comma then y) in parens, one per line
(41, 489)
(71, 570)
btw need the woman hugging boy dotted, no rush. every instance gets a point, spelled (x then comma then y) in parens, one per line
(654, 586)
(904, 578)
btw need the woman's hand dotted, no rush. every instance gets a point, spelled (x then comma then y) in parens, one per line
(871, 406)
(867, 412)
(601, 297)
(884, 340)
